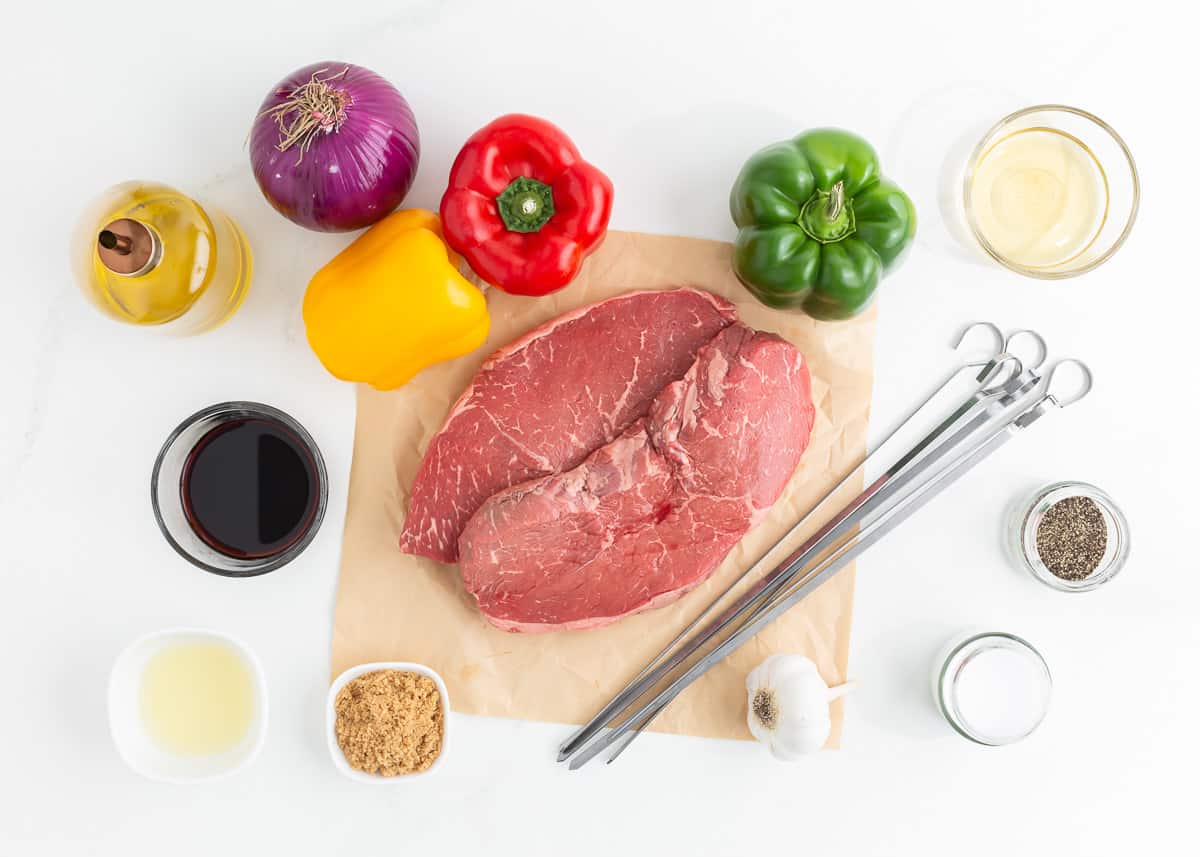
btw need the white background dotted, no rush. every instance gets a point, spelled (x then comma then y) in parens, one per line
(669, 100)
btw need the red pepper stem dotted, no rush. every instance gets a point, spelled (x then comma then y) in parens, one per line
(526, 205)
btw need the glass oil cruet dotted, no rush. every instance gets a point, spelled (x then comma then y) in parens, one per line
(148, 255)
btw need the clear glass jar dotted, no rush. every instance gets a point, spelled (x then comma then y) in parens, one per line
(992, 687)
(1051, 177)
(1023, 529)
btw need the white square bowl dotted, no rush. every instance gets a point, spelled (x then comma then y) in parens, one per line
(135, 745)
(335, 752)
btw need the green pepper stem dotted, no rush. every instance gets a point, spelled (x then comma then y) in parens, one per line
(828, 216)
(837, 197)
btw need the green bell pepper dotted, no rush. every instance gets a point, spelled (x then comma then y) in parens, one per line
(818, 225)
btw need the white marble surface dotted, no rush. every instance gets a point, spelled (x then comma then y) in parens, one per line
(668, 99)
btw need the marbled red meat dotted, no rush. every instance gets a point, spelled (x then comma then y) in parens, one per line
(649, 515)
(545, 402)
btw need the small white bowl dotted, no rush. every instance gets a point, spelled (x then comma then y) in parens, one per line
(335, 752)
(139, 750)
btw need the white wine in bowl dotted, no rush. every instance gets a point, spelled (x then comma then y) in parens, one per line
(1051, 192)
(1039, 197)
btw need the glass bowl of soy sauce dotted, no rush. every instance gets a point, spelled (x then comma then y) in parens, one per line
(239, 489)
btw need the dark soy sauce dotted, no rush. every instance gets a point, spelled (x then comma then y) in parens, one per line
(250, 488)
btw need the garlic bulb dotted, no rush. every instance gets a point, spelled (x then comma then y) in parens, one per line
(789, 706)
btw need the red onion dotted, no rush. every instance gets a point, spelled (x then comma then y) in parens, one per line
(334, 147)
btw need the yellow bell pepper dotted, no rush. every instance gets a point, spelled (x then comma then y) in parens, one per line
(392, 303)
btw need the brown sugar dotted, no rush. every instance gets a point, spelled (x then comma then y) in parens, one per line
(390, 722)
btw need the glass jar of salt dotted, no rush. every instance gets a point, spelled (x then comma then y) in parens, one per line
(992, 687)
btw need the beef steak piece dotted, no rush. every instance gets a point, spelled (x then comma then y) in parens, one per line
(543, 403)
(649, 516)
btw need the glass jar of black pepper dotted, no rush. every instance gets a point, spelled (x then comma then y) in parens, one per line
(1071, 536)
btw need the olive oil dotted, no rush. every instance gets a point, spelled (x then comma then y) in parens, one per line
(197, 698)
(147, 254)
(1039, 197)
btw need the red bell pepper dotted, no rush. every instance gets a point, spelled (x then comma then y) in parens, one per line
(522, 207)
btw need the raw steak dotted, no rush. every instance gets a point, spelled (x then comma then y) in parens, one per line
(650, 515)
(543, 403)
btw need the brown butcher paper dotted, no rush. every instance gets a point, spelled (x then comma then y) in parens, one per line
(391, 606)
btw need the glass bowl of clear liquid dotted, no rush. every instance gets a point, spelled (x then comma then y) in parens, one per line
(1051, 191)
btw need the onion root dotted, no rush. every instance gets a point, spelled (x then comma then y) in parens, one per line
(310, 109)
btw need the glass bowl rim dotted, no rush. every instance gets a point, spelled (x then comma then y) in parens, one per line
(950, 713)
(1038, 273)
(253, 568)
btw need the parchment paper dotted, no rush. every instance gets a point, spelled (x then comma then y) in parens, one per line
(391, 606)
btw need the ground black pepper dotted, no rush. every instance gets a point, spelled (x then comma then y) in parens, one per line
(1072, 537)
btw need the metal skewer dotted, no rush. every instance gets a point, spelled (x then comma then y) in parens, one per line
(871, 533)
(1034, 362)
(842, 539)
(821, 540)
(840, 531)
(1002, 347)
